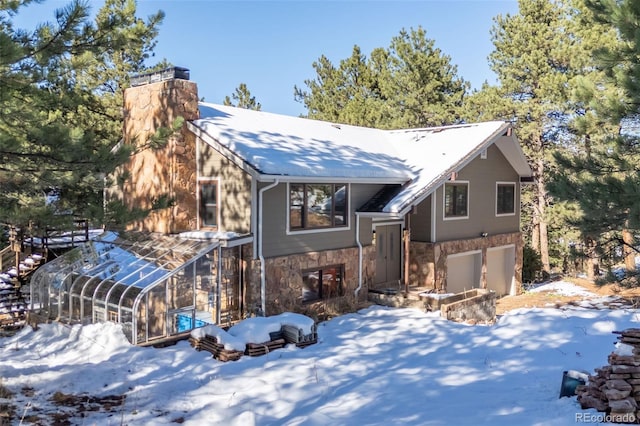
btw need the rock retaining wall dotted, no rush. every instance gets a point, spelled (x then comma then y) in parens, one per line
(477, 305)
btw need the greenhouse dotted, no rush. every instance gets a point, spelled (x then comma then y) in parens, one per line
(155, 286)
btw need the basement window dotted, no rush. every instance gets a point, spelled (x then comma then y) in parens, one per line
(323, 283)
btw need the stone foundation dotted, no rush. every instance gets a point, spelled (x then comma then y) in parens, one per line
(284, 280)
(421, 264)
(428, 261)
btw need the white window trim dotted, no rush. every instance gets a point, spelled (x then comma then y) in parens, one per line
(515, 208)
(444, 215)
(218, 185)
(289, 231)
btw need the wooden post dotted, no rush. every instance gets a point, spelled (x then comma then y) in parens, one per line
(18, 264)
(16, 247)
(407, 240)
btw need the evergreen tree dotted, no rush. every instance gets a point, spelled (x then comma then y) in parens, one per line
(410, 84)
(603, 176)
(586, 132)
(349, 93)
(531, 59)
(61, 98)
(242, 98)
(422, 83)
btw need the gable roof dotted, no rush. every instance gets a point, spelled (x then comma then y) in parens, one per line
(297, 149)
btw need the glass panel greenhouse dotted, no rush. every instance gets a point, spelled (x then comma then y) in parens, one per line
(156, 286)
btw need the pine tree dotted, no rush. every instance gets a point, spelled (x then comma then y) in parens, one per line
(587, 131)
(422, 83)
(349, 93)
(61, 97)
(603, 176)
(409, 84)
(531, 59)
(242, 98)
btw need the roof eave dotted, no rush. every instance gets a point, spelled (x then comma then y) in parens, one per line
(380, 215)
(518, 162)
(514, 154)
(223, 150)
(332, 179)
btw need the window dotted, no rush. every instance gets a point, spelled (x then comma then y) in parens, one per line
(456, 200)
(208, 204)
(505, 198)
(314, 206)
(322, 283)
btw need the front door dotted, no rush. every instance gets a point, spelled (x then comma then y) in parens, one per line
(388, 240)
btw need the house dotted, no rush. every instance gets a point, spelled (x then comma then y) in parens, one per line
(330, 210)
(274, 213)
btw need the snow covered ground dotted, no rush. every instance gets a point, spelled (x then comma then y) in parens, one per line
(562, 288)
(379, 366)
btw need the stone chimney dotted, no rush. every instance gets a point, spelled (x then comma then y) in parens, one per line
(152, 102)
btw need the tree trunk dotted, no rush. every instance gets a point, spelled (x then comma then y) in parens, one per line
(539, 213)
(544, 247)
(593, 260)
(628, 250)
(535, 232)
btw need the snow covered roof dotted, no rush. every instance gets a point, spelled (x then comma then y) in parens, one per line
(109, 257)
(291, 148)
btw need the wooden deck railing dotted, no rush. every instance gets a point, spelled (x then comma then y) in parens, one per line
(78, 233)
(7, 257)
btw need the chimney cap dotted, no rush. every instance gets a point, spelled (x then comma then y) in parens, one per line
(160, 75)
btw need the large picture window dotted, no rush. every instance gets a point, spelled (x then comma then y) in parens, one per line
(505, 198)
(314, 206)
(322, 283)
(456, 199)
(208, 211)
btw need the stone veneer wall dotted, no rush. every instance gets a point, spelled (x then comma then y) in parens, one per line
(284, 278)
(428, 261)
(170, 170)
(421, 264)
(251, 282)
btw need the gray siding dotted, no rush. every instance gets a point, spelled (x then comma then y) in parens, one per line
(482, 176)
(234, 189)
(420, 221)
(276, 241)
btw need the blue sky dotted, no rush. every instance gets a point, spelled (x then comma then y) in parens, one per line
(271, 45)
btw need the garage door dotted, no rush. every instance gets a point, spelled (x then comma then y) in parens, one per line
(463, 271)
(501, 270)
